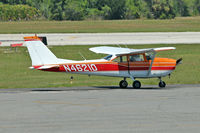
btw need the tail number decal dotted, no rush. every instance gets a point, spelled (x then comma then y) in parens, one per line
(80, 68)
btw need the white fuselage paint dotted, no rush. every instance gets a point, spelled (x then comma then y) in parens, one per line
(135, 74)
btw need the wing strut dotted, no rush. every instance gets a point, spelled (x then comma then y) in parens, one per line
(154, 54)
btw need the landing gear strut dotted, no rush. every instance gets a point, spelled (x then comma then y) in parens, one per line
(161, 84)
(136, 83)
(123, 83)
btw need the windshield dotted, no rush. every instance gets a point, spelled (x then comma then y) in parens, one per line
(149, 55)
(108, 57)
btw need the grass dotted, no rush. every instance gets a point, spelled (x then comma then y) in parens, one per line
(14, 72)
(179, 24)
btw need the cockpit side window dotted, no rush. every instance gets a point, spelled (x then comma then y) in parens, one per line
(136, 57)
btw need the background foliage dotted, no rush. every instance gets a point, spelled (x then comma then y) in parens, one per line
(96, 9)
(18, 12)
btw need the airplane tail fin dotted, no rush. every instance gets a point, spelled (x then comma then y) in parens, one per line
(40, 54)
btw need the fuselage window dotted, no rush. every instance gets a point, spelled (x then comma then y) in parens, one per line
(120, 59)
(123, 58)
(137, 57)
(108, 57)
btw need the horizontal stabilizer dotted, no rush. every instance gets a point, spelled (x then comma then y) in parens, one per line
(48, 67)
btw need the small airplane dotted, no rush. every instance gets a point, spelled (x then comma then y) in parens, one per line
(120, 62)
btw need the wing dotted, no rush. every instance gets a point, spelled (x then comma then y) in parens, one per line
(110, 50)
(121, 51)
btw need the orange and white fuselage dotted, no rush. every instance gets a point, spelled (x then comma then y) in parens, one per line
(121, 62)
(160, 68)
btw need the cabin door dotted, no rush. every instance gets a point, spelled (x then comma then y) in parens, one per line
(138, 65)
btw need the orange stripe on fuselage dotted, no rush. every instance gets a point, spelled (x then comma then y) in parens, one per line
(157, 62)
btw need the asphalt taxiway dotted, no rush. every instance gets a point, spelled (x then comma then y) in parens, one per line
(109, 38)
(175, 108)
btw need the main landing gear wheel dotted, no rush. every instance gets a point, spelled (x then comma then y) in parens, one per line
(162, 84)
(123, 84)
(136, 84)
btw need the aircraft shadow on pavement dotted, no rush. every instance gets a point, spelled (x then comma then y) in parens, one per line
(129, 88)
(44, 90)
(97, 88)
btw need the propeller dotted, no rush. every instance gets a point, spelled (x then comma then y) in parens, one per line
(179, 61)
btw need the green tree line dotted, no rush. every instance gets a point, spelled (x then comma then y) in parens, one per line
(18, 12)
(105, 9)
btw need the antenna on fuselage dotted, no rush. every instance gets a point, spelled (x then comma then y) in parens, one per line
(82, 55)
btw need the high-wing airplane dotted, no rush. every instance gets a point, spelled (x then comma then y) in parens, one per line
(120, 62)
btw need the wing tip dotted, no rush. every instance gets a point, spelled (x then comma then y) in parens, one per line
(164, 48)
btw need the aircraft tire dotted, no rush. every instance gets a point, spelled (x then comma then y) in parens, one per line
(136, 84)
(162, 84)
(123, 84)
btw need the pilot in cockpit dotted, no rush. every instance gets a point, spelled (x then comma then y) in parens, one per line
(135, 58)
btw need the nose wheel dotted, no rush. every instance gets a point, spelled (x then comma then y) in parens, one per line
(123, 83)
(161, 84)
